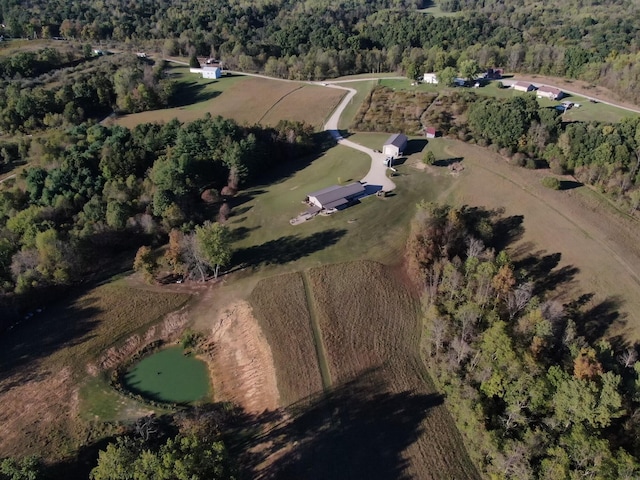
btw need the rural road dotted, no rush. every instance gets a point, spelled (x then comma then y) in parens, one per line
(377, 175)
(508, 83)
(7, 178)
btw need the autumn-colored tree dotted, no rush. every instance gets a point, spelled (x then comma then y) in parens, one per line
(145, 263)
(586, 365)
(173, 253)
(503, 281)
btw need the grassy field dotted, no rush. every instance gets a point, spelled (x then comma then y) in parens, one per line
(380, 399)
(597, 244)
(280, 306)
(436, 11)
(374, 228)
(44, 363)
(245, 99)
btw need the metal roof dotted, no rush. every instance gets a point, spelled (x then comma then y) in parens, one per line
(397, 140)
(334, 193)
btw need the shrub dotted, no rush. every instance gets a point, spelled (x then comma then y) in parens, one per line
(551, 182)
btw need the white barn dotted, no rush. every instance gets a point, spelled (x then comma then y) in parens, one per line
(430, 78)
(395, 145)
(208, 71)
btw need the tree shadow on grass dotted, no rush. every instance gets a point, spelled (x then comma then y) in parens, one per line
(285, 249)
(445, 162)
(33, 339)
(357, 430)
(542, 269)
(190, 93)
(569, 185)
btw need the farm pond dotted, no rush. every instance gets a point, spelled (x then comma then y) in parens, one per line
(169, 375)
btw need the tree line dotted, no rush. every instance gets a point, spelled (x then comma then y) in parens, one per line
(534, 391)
(317, 39)
(99, 188)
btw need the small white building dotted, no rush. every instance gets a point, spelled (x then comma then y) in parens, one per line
(551, 93)
(208, 71)
(523, 87)
(430, 78)
(395, 145)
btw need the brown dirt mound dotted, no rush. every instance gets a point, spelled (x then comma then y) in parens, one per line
(240, 360)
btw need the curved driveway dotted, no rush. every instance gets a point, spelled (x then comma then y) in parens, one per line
(377, 175)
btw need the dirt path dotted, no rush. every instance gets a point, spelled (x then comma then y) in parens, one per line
(240, 361)
(321, 350)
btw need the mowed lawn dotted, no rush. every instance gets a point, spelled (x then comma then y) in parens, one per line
(375, 228)
(380, 398)
(245, 99)
(44, 362)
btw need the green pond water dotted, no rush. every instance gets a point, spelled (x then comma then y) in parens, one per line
(169, 376)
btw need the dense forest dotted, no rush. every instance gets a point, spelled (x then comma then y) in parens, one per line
(97, 189)
(596, 41)
(535, 390)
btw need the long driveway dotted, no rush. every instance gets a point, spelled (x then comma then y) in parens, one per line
(377, 175)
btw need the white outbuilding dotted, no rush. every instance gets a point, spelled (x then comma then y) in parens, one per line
(395, 145)
(430, 78)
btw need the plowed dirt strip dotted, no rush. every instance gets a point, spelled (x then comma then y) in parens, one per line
(280, 306)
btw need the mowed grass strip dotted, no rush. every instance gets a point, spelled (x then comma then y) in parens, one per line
(370, 325)
(280, 306)
(244, 99)
(365, 314)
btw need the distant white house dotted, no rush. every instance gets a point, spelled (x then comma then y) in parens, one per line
(430, 78)
(334, 198)
(551, 93)
(395, 145)
(523, 87)
(208, 71)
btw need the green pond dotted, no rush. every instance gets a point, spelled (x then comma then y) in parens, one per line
(169, 376)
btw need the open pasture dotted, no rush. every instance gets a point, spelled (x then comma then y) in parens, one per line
(244, 99)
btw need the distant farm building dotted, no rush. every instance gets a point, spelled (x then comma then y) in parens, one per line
(430, 132)
(494, 73)
(395, 145)
(551, 93)
(523, 87)
(334, 198)
(430, 78)
(208, 71)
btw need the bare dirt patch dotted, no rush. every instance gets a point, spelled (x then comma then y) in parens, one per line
(240, 361)
(588, 232)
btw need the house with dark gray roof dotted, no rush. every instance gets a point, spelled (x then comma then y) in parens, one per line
(335, 197)
(395, 145)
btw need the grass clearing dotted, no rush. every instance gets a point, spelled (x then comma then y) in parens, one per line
(590, 234)
(436, 11)
(245, 99)
(280, 306)
(44, 363)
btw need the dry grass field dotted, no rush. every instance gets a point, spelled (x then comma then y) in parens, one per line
(380, 418)
(280, 306)
(583, 227)
(43, 363)
(246, 100)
